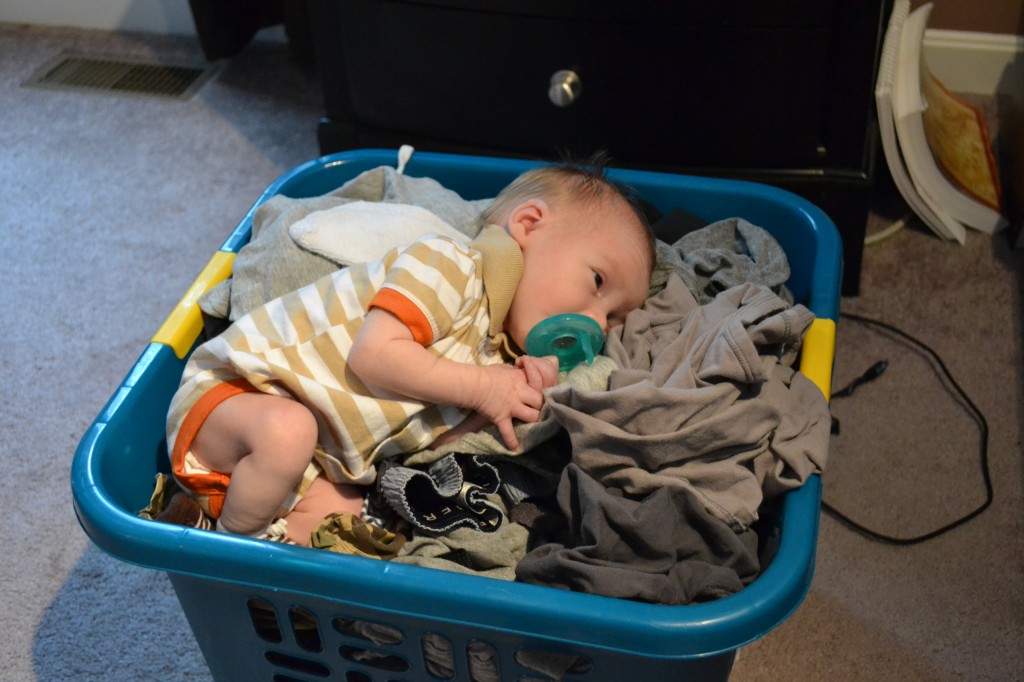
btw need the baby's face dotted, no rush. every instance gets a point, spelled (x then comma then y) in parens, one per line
(593, 262)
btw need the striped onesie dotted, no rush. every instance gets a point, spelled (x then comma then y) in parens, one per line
(454, 299)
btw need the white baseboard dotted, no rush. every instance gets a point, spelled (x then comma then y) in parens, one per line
(166, 17)
(171, 17)
(976, 63)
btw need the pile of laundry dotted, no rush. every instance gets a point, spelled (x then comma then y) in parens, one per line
(648, 470)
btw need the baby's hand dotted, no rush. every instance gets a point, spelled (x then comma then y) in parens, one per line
(515, 393)
(541, 373)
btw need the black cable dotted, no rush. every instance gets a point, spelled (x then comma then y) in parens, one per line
(873, 373)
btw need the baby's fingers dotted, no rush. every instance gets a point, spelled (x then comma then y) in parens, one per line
(547, 367)
(540, 372)
(533, 377)
(526, 413)
(508, 434)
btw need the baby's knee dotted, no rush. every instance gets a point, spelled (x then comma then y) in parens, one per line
(288, 422)
(287, 427)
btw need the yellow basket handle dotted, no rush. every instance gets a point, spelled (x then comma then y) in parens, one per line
(183, 325)
(818, 353)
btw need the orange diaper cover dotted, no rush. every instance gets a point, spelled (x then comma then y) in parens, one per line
(207, 487)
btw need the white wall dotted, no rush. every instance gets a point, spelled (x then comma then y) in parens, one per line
(978, 63)
(151, 16)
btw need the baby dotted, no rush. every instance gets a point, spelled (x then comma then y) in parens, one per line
(286, 413)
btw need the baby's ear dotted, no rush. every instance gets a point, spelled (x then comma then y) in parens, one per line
(527, 217)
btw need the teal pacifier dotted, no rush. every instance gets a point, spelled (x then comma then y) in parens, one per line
(571, 338)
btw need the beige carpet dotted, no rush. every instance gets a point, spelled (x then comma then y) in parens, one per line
(112, 204)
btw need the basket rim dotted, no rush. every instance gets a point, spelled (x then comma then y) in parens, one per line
(593, 621)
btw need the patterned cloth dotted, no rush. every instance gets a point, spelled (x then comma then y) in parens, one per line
(453, 297)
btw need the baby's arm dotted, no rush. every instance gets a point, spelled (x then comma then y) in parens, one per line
(540, 374)
(385, 357)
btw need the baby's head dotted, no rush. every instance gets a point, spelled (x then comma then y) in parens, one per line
(587, 248)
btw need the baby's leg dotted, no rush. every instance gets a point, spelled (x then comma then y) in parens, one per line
(321, 499)
(265, 443)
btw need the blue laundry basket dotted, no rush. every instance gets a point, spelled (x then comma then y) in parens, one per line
(263, 611)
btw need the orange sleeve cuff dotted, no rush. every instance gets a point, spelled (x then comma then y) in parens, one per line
(405, 310)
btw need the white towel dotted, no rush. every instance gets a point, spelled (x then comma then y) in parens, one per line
(363, 231)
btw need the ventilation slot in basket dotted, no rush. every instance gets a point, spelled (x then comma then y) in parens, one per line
(543, 661)
(374, 659)
(438, 658)
(299, 665)
(264, 621)
(483, 662)
(356, 676)
(378, 633)
(307, 634)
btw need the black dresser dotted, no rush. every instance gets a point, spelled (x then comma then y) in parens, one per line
(776, 91)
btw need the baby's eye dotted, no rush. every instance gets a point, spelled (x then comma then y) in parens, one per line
(598, 279)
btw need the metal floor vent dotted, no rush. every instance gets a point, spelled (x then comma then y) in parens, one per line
(120, 76)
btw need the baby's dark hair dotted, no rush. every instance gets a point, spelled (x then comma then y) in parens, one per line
(582, 181)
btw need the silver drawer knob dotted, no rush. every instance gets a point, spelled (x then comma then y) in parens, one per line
(565, 88)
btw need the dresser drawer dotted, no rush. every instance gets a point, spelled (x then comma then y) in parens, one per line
(710, 88)
(774, 91)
